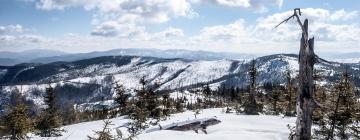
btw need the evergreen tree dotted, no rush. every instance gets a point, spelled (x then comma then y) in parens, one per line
(239, 95)
(49, 120)
(233, 95)
(290, 95)
(251, 107)
(167, 104)
(320, 96)
(121, 98)
(17, 120)
(139, 118)
(145, 105)
(274, 100)
(179, 105)
(104, 134)
(342, 103)
(207, 93)
(345, 103)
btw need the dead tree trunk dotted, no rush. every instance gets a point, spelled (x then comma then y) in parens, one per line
(305, 102)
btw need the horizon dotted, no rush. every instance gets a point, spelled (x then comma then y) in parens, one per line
(239, 26)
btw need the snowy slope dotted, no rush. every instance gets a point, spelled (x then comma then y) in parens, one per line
(170, 74)
(232, 127)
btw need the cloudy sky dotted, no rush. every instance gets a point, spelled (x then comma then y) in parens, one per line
(245, 26)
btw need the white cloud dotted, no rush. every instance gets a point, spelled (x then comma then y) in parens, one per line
(170, 32)
(233, 31)
(258, 5)
(22, 38)
(112, 29)
(155, 11)
(128, 30)
(21, 42)
(233, 3)
(11, 29)
(125, 18)
(343, 15)
(103, 5)
(321, 26)
(329, 33)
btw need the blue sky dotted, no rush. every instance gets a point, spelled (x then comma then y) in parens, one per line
(213, 25)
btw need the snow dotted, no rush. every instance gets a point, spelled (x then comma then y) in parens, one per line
(96, 105)
(232, 127)
(203, 71)
(347, 60)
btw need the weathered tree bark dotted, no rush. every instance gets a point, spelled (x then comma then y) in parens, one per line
(305, 104)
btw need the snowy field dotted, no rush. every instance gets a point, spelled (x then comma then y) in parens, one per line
(232, 127)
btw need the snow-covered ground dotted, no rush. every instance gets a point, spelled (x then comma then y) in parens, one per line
(232, 127)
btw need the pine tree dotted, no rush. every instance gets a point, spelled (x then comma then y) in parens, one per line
(290, 95)
(239, 95)
(17, 120)
(49, 121)
(104, 134)
(274, 99)
(139, 116)
(342, 103)
(320, 96)
(251, 107)
(144, 106)
(121, 98)
(207, 92)
(167, 104)
(179, 105)
(344, 107)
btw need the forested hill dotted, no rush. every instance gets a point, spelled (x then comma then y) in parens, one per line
(171, 73)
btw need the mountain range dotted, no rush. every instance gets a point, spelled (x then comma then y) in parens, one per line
(49, 56)
(91, 80)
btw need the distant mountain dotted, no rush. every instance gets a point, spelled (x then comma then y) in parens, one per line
(342, 57)
(12, 58)
(173, 71)
(187, 54)
(90, 80)
(9, 61)
(49, 56)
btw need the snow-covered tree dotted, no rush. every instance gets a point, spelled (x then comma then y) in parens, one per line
(342, 107)
(49, 121)
(250, 105)
(121, 98)
(17, 120)
(104, 134)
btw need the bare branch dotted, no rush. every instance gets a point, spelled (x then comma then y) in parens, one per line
(296, 14)
(285, 21)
